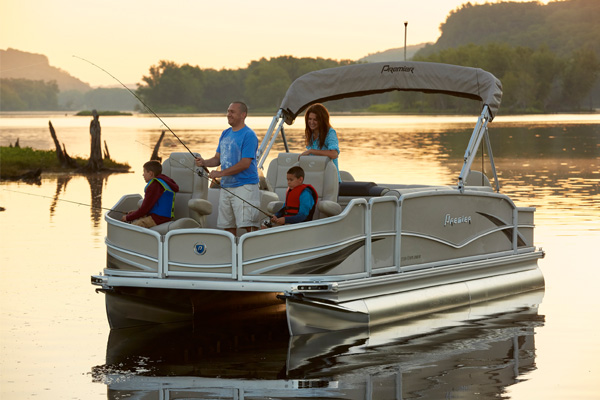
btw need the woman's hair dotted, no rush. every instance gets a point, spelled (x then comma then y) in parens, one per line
(322, 118)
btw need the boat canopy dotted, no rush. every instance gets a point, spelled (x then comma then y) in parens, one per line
(364, 79)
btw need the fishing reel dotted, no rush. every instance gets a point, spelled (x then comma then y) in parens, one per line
(201, 172)
(266, 223)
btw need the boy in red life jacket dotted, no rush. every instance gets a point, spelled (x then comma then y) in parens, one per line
(300, 200)
(159, 198)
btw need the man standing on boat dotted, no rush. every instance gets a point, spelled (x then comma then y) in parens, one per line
(236, 154)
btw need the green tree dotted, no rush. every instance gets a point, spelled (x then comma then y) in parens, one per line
(223, 87)
(174, 88)
(28, 95)
(266, 84)
(580, 74)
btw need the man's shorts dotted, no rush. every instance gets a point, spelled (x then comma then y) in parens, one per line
(235, 213)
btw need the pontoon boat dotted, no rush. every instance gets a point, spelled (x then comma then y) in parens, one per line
(374, 252)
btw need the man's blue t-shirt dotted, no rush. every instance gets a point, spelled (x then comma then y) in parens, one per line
(233, 146)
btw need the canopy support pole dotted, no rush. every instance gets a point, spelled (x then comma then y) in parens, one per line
(479, 133)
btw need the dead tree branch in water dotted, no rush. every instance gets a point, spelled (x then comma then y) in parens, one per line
(156, 147)
(106, 153)
(61, 153)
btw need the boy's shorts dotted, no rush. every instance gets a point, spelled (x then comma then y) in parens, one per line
(235, 213)
(144, 222)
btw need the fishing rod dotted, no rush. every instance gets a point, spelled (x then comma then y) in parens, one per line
(180, 141)
(141, 101)
(66, 201)
(204, 175)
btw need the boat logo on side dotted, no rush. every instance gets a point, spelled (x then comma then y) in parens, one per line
(200, 248)
(450, 220)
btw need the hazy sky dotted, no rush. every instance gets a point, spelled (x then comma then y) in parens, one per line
(126, 37)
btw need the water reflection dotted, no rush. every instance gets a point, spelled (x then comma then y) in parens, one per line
(61, 186)
(458, 360)
(97, 182)
(471, 352)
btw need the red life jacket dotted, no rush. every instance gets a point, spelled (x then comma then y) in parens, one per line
(292, 201)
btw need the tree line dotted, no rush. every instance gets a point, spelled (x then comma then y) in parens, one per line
(170, 87)
(37, 95)
(533, 80)
(562, 26)
(28, 95)
(547, 57)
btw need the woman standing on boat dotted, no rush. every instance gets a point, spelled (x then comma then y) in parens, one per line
(321, 139)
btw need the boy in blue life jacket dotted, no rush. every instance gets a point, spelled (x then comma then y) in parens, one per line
(159, 198)
(300, 200)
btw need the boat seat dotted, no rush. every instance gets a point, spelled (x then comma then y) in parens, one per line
(346, 176)
(183, 223)
(362, 189)
(191, 200)
(319, 171)
(477, 178)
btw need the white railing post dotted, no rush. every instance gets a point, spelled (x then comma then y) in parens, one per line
(515, 233)
(398, 238)
(163, 258)
(368, 243)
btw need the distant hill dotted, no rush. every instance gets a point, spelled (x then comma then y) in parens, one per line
(396, 54)
(18, 64)
(561, 26)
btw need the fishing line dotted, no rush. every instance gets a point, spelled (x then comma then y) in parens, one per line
(170, 130)
(66, 201)
(204, 175)
(141, 101)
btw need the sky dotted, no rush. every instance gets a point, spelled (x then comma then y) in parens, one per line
(127, 37)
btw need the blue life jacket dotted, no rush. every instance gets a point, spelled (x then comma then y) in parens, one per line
(165, 206)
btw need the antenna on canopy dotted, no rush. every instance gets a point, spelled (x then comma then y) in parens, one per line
(405, 29)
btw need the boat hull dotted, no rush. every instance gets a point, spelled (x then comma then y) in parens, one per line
(132, 306)
(310, 315)
(338, 306)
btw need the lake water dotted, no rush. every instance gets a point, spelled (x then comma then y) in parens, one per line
(55, 341)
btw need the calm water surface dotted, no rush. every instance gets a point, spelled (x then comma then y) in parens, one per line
(55, 341)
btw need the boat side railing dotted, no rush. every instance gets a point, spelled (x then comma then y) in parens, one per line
(201, 253)
(308, 251)
(365, 240)
(131, 250)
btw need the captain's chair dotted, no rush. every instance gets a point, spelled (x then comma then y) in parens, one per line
(191, 204)
(319, 171)
(477, 178)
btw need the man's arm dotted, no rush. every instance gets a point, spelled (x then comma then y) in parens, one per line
(242, 165)
(215, 161)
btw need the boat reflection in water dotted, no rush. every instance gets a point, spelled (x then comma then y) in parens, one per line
(474, 351)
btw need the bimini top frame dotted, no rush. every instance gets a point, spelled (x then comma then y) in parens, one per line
(366, 79)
